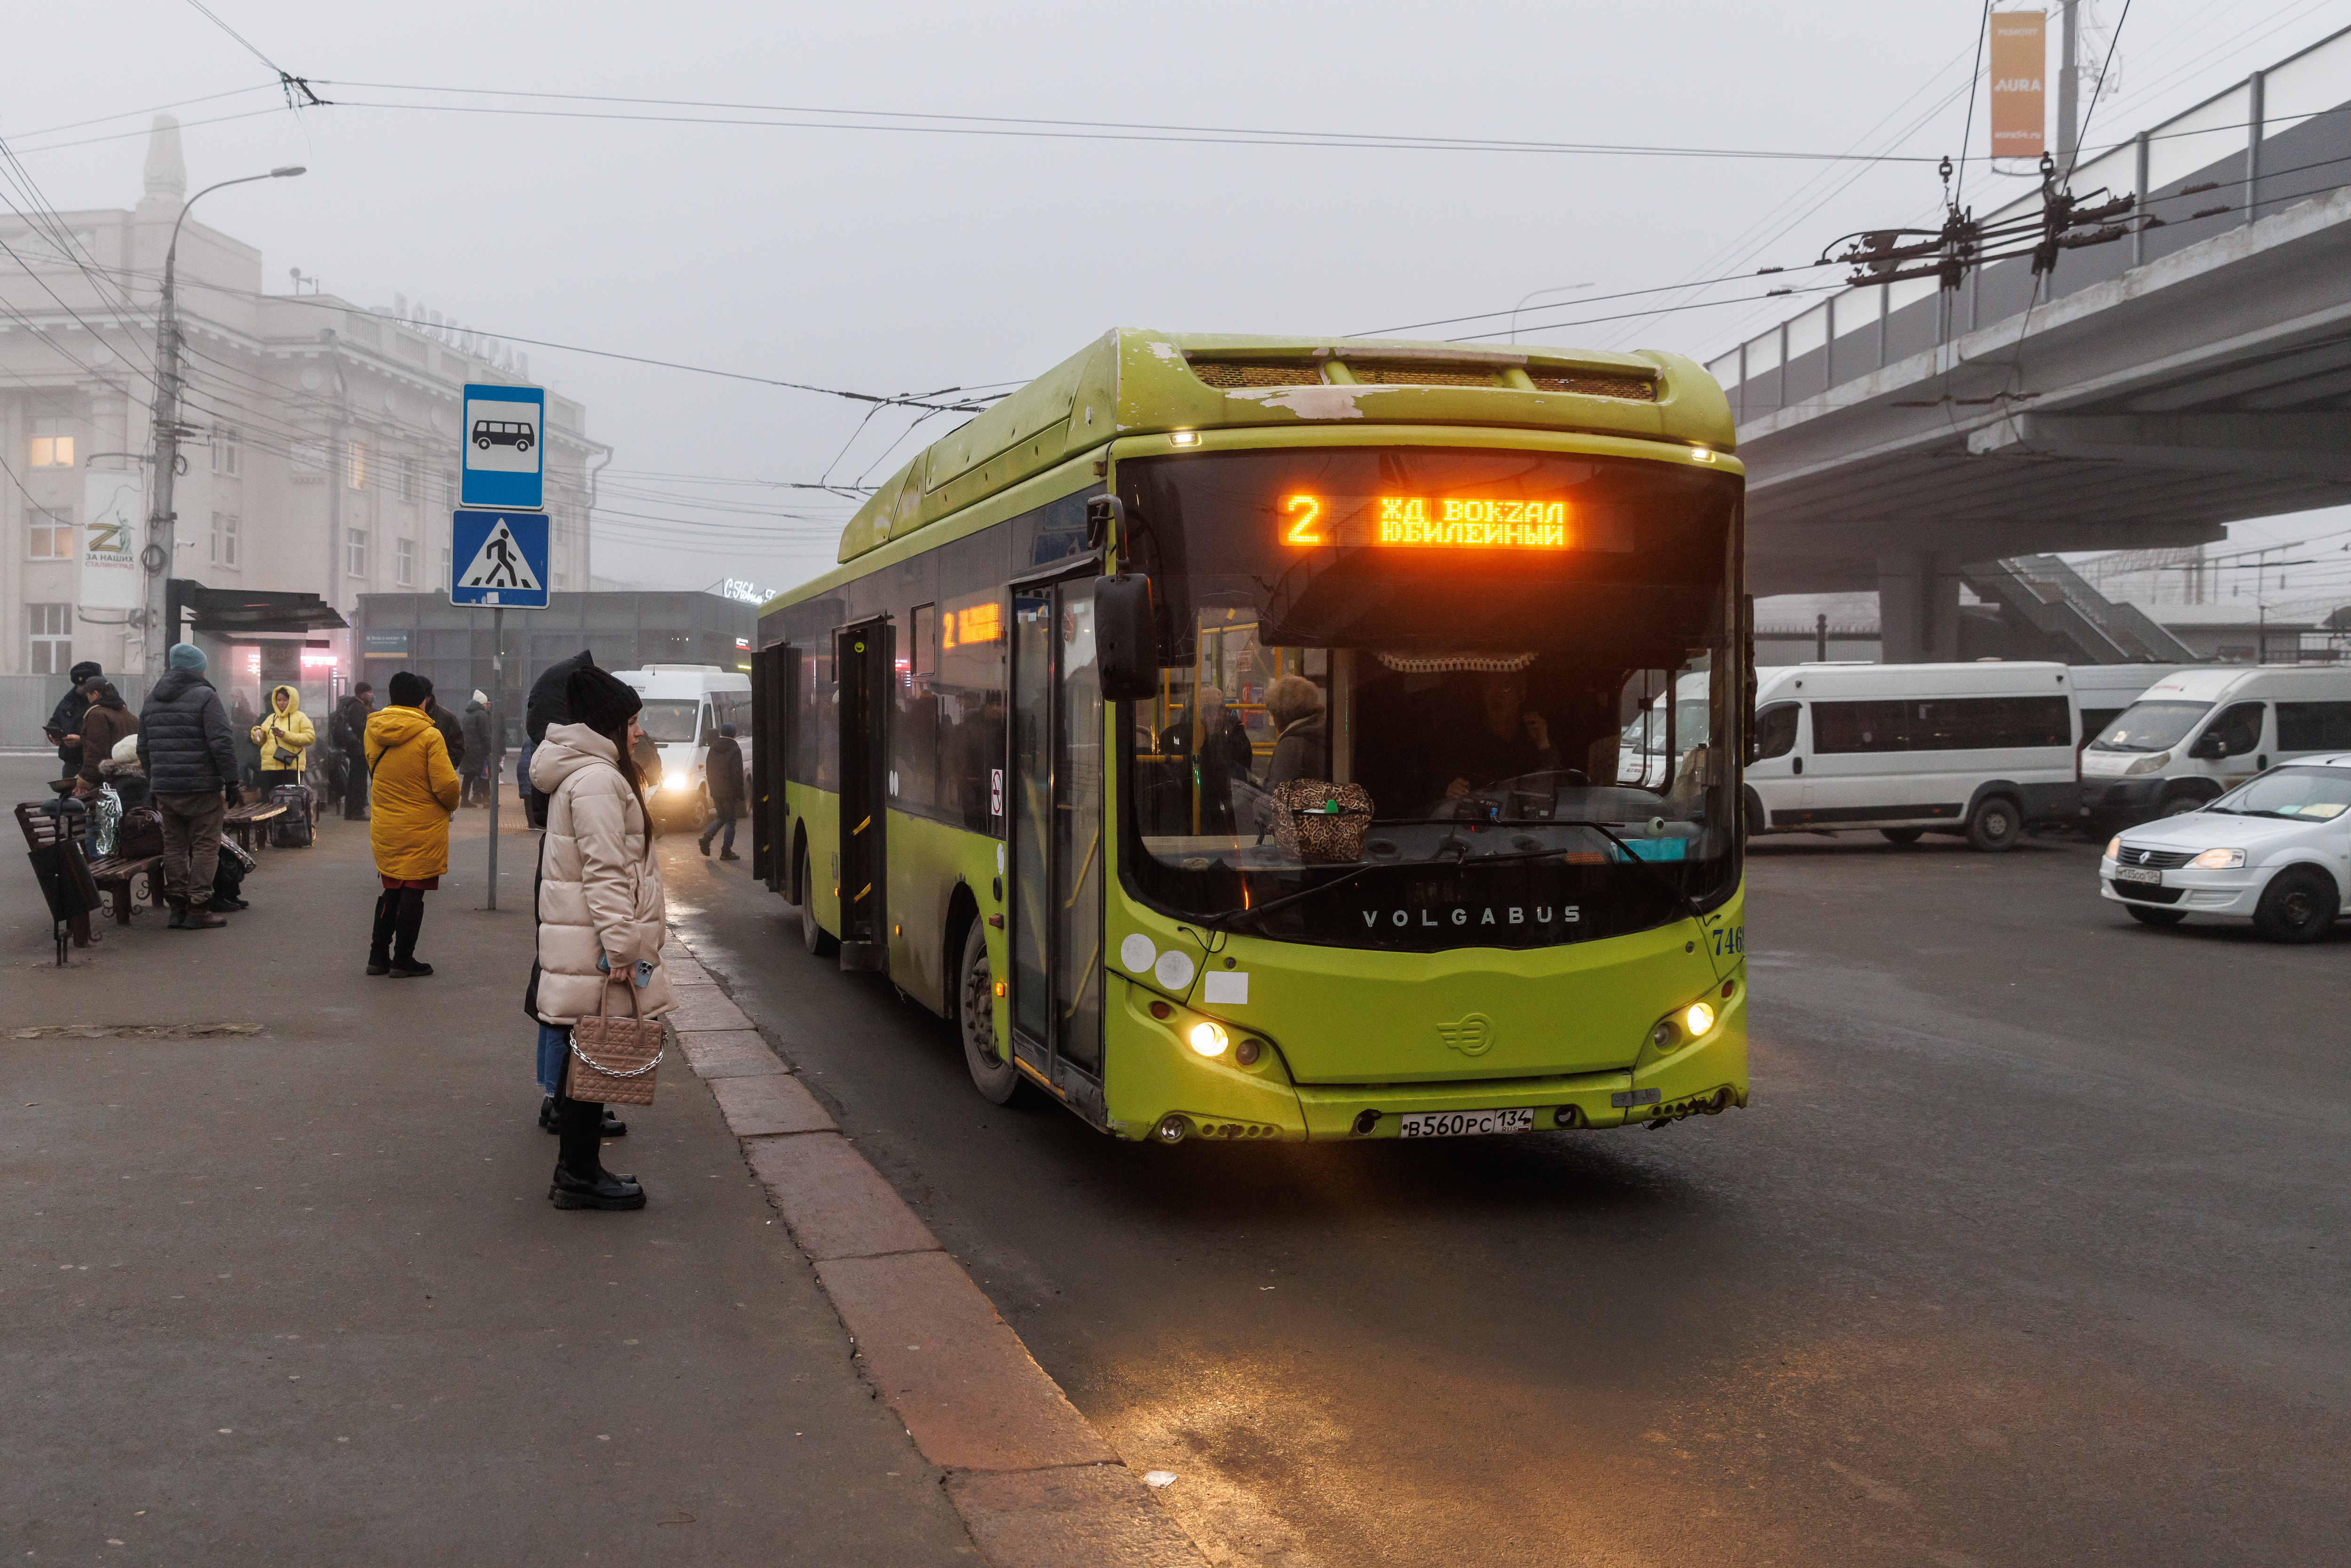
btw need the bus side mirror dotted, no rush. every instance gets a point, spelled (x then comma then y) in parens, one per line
(1126, 637)
(1105, 518)
(2209, 749)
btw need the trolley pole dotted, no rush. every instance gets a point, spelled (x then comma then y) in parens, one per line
(497, 738)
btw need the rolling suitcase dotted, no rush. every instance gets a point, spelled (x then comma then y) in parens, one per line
(292, 831)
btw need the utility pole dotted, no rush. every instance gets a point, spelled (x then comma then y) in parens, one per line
(497, 738)
(161, 555)
(2069, 84)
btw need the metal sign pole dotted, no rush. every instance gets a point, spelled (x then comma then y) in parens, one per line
(497, 738)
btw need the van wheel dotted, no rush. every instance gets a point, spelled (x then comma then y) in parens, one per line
(998, 1081)
(1903, 836)
(812, 937)
(2178, 804)
(2298, 906)
(2146, 916)
(1996, 826)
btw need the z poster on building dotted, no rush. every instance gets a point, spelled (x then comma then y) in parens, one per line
(113, 501)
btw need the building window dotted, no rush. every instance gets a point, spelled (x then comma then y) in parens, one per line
(49, 628)
(355, 461)
(226, 456)
(412, 479)
(449, 493)
(225, 529)
(50, 536)
(355, 560)
(52, 444)
(403, 560)
(444, 563)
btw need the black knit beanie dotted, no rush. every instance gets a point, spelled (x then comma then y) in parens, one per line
(598, 701)
(409, 689)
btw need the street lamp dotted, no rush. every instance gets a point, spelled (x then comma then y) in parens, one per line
(1562, 288)
(159, 556)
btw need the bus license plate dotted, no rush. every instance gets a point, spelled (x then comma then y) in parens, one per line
(1464, 1124)
(2138, 874)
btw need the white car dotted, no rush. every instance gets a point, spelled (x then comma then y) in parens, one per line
(2275, 850)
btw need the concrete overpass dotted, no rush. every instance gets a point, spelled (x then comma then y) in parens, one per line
(2155, 389)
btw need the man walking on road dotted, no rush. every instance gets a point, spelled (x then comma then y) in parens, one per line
(724, 771)
(349, 732)
(186, 748)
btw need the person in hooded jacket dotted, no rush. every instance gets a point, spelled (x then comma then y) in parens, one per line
(103, 726)
(601, 918)
(416, 794)
(453, 731)
(349, 733)
(549, 702)
(723, 768)
(186, 746)
(284, 736)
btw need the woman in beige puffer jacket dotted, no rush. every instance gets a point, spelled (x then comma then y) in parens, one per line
(601, 912)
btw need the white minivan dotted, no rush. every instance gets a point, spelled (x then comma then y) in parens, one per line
(2104, 691)
(683, 707)
(2276, 850)
(2201, 731)
(1984, 749)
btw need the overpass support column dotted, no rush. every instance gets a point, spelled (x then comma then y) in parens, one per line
(1919, 606)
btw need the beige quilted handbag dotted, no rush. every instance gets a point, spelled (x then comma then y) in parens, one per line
(613, 1058)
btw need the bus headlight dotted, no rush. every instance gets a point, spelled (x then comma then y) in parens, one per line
(1209, 1038)
(2218, 860)
(676, 782)
(2156, 764)
(1698, 1020)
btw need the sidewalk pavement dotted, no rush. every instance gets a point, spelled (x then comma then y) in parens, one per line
(266, 1305)
(298, 1295)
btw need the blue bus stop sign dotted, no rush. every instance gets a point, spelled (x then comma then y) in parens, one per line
(498, 558)
(505, 452)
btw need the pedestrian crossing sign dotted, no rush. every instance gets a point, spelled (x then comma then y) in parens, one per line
(498, 558)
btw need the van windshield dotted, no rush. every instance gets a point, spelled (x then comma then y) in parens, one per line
(2151, 727)
(670, 719)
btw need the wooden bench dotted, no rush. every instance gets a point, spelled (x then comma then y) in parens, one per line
(41, 829)
(247, 822)
(114, 875)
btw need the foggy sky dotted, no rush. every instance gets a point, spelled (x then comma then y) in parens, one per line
(895, 262)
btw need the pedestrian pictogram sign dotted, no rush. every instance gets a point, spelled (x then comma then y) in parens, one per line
(498, 558)
(505, 451)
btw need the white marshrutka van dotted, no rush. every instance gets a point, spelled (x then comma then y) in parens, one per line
(2103, 692)
(1986, 749)
(2201, 731)
(685, 706)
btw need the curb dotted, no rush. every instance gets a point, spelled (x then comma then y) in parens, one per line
(1032, 1480)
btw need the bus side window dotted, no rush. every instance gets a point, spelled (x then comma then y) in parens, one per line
(2241, 725)
(1775, 731)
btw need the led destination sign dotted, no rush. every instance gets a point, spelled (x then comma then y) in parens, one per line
(1444, 522)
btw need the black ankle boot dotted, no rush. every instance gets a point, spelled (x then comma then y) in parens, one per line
(547, 1122)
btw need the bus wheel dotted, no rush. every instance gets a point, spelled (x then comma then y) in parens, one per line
(813, 936)
(1996, 826)
(2179, 803)
(1906, 837)
(996, 1078)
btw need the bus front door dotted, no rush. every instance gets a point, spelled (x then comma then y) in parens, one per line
(1058, 846)
(862, 655)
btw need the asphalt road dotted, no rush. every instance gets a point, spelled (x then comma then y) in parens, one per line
(2030, 1248)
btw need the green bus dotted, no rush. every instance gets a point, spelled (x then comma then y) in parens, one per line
(1263, 737)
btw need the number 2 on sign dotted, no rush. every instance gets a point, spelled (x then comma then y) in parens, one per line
(1304, 510)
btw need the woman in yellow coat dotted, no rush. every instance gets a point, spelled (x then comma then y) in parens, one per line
(285, 737)
(416, 792)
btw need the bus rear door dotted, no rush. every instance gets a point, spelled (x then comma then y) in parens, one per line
(862, 655)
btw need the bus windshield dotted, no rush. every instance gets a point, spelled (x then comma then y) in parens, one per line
(1501, 673)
